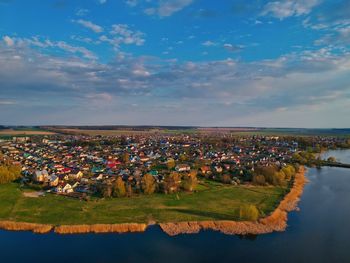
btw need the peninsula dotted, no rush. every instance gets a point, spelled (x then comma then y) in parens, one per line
(183, 182)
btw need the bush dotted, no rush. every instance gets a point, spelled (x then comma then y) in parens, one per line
(249, 213)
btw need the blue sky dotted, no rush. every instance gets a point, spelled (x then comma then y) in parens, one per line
(175, 62)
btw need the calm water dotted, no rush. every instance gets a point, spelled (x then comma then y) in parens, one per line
(320, 232)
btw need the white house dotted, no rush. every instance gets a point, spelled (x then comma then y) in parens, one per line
(182, 168)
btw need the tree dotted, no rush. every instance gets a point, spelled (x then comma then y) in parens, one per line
(259, 179)
(129, 192)
(249, 212)
(107, 190)
(148, 184)
(119, 189)
(279, 178)
(183, 157)
(272, 175)
(170, 163)
(289, 171)
(171, 183)
(126, 157)
(189, 181)
(226, 179)
(9, 173)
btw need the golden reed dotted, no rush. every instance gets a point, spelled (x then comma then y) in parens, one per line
(276, 221)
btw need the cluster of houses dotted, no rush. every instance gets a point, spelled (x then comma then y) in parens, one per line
(76, 165)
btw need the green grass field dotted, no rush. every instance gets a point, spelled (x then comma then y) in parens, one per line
(209, 203)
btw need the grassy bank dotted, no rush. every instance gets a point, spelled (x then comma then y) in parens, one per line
(218, 202)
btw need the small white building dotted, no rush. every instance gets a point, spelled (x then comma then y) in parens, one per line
(182, 168)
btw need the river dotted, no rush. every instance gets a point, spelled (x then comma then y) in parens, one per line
(319, 232)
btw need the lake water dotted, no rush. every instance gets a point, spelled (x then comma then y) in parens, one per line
(319, 232)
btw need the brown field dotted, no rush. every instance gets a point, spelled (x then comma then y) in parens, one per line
(111, 132)
(24, 132)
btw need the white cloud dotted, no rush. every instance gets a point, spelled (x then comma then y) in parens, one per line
(165, 8)
(287, 8)
(150, 11)
(82, 39)
(82, 12)
(140, 71)
(122, 34)
(232, 48)
(7, 102)
(202, 92)
(131, 3)
(102, 1)
(209, 43)
(90, 25)
(47, 43)
(8, 40)
(169, 7)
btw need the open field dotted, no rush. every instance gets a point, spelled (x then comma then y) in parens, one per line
(135, 130)
(214, 203)
(12, 132)
(109, 132)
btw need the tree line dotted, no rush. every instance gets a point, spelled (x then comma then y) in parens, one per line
(273, 175)
(172, 183)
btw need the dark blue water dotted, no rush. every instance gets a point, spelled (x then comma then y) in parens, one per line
(319, 232)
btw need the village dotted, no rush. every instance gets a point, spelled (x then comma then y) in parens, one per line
(81, 166)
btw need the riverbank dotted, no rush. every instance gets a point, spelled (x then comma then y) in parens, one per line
(276, 221)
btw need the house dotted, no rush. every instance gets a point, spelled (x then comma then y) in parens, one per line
(112, 164)
(76, 176)
(67, 189)
(182, 168)
(40, 176)
(53, 180)
(66, 170)
(218, 169)
(205, 169)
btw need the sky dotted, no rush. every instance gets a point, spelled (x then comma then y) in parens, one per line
(254, 63)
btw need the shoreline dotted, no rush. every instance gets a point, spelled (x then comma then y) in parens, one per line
(276, 221)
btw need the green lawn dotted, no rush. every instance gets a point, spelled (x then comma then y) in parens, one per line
(209, 203)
